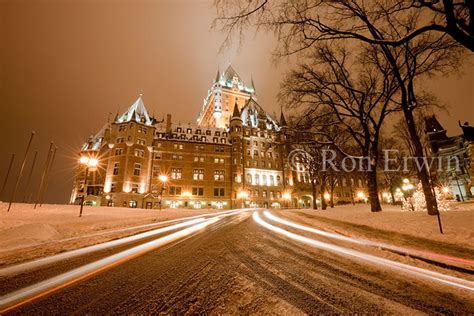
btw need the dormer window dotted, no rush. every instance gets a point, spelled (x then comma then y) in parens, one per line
(179, 130)
(208, 132)
(198, 131)
(189, 131)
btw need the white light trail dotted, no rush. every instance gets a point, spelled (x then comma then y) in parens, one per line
(12, 300)
(12, 270)
(78, 252)
(370, 243)
(431, 275)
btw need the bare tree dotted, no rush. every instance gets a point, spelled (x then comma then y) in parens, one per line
(301, 24)
(323, 20)
(356, 92)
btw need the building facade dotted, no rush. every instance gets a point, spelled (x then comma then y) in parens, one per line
(235, 156)
(454, 156)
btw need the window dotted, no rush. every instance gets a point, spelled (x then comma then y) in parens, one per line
(116, 169)
(278, 180)
(255, 153)
(157, 156)
(218, 160)
(139, 153)
(175, 190)
(142, 129)
(137, 169)
(272, 195)
(122, 128)
(256, 179)
(264, 180)
(264, 193)
(219, 192)
(249, 178)
(176, 173)
(198, 174)
(178, 146)
(113, 187)
(141, 141)
(198, 159)
(189, 131)
(118, 151)
(219, 175)
(219, 149)
(176, 157)
(134, 188)
(120, 140)
(198, 191)
(156, 171)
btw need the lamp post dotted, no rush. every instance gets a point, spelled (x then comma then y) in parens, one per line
(88, 162)
(163, 179)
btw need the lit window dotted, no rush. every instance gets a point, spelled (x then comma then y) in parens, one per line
(137, 169)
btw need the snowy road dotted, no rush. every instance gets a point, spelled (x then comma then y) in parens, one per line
(238, 263)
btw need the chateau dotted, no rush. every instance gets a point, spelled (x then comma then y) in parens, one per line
(235, 156)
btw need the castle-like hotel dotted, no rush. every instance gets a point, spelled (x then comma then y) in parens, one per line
(235, 156)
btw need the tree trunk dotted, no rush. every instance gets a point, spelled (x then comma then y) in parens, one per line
(315, 195)
(331, 201)
(323, 201)
(392, 194)
(373, 191)
(423, 174)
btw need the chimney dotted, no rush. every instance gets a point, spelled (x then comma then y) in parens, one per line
(168, 123)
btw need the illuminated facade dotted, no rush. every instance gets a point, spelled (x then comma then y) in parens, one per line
(234, 157)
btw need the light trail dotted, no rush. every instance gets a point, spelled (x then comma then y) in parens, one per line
(25, 295)
(427, 274)
(139, 227)
(370, 243)
(15, 269)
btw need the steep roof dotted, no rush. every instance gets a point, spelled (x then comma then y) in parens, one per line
(136, 112)
(254, 115)
(236, 113)
(227, 79)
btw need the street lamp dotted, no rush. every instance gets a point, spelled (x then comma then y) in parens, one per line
(243, 195)
(287, 197)
(163, 179)
(88, 162)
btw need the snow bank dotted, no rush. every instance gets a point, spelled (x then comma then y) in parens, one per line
(51, 227)
(458, 223)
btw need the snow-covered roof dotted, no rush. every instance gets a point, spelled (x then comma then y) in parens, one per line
(254, 115)
(136, 112)
(95, 141)
(226, 79)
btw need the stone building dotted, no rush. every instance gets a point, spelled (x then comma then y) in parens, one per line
(453, 156)
(235, 156)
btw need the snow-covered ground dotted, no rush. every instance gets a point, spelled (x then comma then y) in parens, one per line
(458, 223)
(27, 233)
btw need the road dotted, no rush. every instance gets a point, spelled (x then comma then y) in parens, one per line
(233, 264)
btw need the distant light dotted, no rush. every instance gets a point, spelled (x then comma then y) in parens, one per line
(163, 178)
(361, 195)
(107, 197)
(406, 180)
(84, 160)
(327, 196)
(93, 162)
(445, 190)
(287, 196)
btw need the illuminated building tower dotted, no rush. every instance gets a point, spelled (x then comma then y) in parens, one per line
(227, 90)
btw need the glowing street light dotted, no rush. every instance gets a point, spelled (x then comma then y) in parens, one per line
(361, 195)
(87, 162)
(327, 196)
(163, 179)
